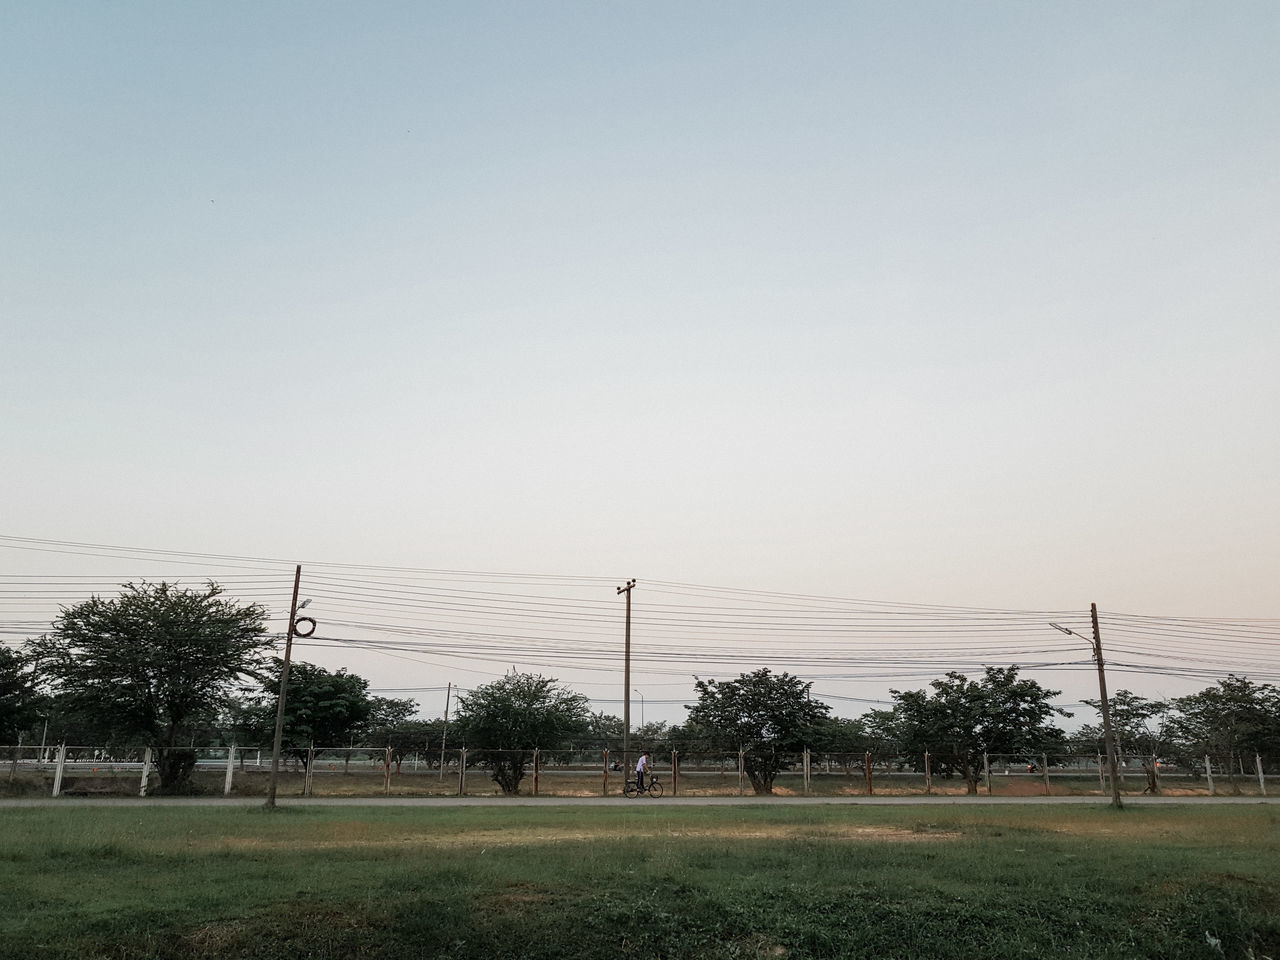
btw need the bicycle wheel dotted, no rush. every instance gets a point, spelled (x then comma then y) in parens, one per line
(629, 789)
(655, 788)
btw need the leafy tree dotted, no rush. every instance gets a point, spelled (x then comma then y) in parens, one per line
(604, 728)
(964, 718)
(504, 721)
(19, 699)
(322, 708)
(769, 717)
(884, 730)
(409, 736)
(653, 732)
(153, 663)
(1132, 720)
(1234, 719)
(840, 735)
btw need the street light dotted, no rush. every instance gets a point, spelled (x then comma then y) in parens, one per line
(1107, 734)
(301, 627)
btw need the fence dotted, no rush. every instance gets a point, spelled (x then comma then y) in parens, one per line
(371, 771)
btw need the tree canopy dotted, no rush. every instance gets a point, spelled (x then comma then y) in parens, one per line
(963, 719)
(322, 708)
(1234, 718)
(504, 721)
(769, 717)
(153, 663)
(18, 696)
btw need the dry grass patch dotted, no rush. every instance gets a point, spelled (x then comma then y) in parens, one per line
(367, 835)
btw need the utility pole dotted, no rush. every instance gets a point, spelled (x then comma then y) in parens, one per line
(295, 622)
(1107, 732)
(1104, 703)
(448, 691)
(626, 682)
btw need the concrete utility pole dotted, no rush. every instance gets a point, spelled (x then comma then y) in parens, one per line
(448, 693)
(1107, 732)
(295, 623)
(1104, 704)
(626, 682)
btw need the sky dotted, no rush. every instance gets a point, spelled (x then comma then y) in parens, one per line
(967, 305)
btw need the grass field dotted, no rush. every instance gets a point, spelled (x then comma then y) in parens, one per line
(648, 880)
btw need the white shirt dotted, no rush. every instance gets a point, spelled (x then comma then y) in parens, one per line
(643, 765)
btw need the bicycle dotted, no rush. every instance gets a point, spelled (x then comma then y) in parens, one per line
(653, 788)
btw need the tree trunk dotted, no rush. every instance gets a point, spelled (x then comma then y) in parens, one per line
(175, 767)
(970, 778)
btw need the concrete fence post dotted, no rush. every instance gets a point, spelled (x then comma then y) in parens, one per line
(462, 770)
(867, 763)
(146, 770)
(1208, 772)
(1262, 777)
(604, 788)
(537, 769)
(231, 770)
(1044, 766)
(742, 769)
(310, 771)
(928, 774)
(986, 771)
(62, 762)
(675, 773)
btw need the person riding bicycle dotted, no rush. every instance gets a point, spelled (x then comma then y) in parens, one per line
(642, 766)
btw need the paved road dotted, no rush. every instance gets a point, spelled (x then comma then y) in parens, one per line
(949, 800)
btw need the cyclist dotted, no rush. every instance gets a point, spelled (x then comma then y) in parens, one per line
(642, 766)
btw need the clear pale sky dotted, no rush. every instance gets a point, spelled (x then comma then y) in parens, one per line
(942, 303)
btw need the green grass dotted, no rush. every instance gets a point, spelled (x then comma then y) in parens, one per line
(641, 881)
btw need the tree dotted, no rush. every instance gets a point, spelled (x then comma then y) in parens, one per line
(406, 736)
(604, 728)
(1234, 719)
(504, 721)
(1132, 717)
(153, 663)
(964, 719)
(322, 708)
(19, 700)
(766, 716)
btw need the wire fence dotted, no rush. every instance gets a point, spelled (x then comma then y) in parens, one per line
(65, 770)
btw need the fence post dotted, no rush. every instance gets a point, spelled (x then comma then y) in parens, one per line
(1044, 765)
(986, 771)
(928, 774)
(867, 762)
(462, 770)
(146, 770)
(1102, 783)
(62, 761)
(675, 773)
(535, 771)
(231, 769)
(1262, 778)
(386, 773)
(806, 771)
(604, 789)
(1208, 772)
(742, 766)
(310, 771)
(1155, 774)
